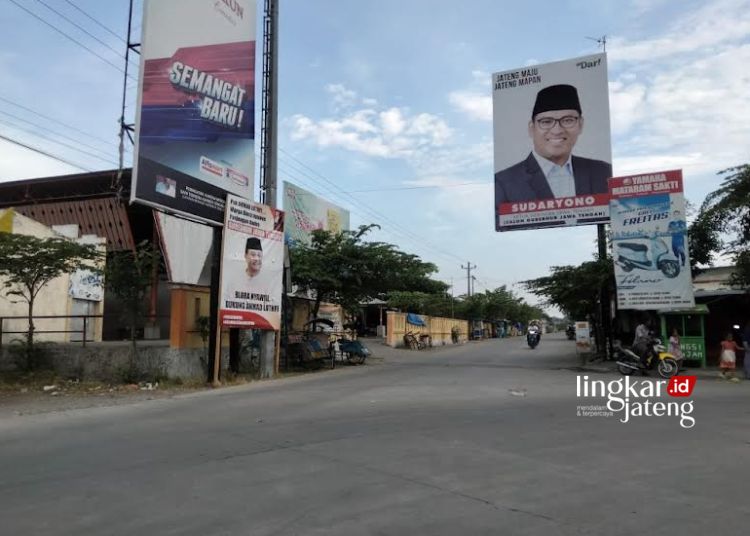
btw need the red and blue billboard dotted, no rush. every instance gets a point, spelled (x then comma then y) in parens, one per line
(195, 124)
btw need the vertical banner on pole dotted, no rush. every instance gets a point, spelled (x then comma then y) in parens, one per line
(195, 119)
(649, 241)
(252, 266)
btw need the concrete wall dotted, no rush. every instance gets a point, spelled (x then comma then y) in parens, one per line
(110, 361)
(53, 299)
(437, 327)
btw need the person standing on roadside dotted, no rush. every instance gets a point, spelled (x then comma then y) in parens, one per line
(728, 359)
(746, 345)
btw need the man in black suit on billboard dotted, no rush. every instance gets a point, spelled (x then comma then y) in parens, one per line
(551, 170)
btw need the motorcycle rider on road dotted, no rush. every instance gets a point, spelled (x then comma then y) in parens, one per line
(642, 341)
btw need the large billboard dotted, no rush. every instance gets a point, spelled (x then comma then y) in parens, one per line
(306, 212)
(552, 144)
(195, 119)
(649, 242)
(252, 265)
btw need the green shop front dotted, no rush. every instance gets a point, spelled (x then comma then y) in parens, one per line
(691, 325)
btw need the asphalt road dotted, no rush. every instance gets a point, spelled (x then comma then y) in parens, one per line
(478, 439)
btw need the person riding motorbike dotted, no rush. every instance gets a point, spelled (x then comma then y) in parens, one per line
(643, 342)
(570, 331)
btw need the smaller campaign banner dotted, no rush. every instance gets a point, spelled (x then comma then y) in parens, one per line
(252, 265)
(649, 241)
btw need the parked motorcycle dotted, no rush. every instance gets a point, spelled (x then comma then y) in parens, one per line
(635, 254)
(533, 336)
(628, 361)
(353, 350)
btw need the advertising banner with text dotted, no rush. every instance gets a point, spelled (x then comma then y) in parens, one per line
(649, 241)
(552, 144)
(306, 212)
(195, 118)
(252, 265)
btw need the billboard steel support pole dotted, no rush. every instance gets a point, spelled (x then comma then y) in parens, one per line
(268, 150)
(604, 308)
(214, 340)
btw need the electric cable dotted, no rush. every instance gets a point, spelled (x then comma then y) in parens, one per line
(395, 189)
(42, 152)
(105, 60)
(73, 147)
(49, 130)
(48, 118)
(81, 28)
(358, 203)
(394, 228)
(83, 11)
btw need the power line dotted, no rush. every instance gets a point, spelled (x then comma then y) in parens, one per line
(73, 147)
(64, 17)
(417, 187)
(52, 131)
(45, 153)
(105, 60)
(95, 20)
(377, 216)
(55, 120)
(371, 210)
(393, 232)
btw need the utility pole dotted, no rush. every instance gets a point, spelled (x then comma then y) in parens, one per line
(268, 149)
(468, 269)
(452, 316)
(604, 332)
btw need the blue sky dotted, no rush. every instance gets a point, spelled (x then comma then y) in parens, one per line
(389, 94)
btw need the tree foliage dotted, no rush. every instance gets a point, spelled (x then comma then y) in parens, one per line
(342, 268)
(128, 277)
(30, 263)
(575, 289)
(498, 304)
(723, 224)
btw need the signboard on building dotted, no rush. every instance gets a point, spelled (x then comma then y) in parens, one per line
(86, 285)
(252, 265)
(552, 144)
(649, 241)
(195, 118)
(306, 212)
(583, 338)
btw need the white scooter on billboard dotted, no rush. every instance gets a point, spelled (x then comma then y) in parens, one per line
(647, 254)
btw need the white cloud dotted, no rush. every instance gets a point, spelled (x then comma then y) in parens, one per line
(679, 99)
(475, 105)
(713, 24)
(393, 132)
(342, 97)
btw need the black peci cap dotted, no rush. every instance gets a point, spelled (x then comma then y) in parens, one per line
(558, 97)
(253, 243)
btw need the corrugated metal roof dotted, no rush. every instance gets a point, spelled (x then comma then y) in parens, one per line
(105, 217)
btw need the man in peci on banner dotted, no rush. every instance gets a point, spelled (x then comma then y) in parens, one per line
(551, 170)
(253, 256)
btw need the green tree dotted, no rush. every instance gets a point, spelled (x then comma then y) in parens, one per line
(426, 303)
(497, 304)
(30, 263)
(723, 224)
(342, 268)
(128, 277)
(575, 289)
